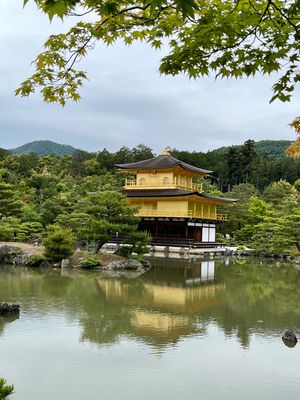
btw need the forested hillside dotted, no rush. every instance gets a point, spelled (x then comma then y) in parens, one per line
(272, 149)
(269, 149)
(43, 147)
(244, 164)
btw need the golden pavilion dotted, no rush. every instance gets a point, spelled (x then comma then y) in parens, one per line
(172, 207)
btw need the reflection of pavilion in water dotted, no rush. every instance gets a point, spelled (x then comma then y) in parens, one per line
(167, 301)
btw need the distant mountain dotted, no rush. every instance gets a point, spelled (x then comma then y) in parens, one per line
(42, 147)
(272, 149)
(269, 149)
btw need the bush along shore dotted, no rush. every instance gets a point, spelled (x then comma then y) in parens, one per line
(23, 254)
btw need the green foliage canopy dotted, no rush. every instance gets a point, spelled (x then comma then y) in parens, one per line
(231, 38)
(59, 243)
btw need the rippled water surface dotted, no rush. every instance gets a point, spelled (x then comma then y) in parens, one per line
(183, 330)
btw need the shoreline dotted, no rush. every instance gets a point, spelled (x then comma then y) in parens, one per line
(213, 252)
(28, 251)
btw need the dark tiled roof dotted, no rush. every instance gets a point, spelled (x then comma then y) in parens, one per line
(224, 199)
(162, 161)
(173, 193)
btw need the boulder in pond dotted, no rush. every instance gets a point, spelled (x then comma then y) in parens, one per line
(128, 268)
(289, 338)
(7, 308)
(122, 265)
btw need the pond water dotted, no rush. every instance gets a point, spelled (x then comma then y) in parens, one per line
(185, 329)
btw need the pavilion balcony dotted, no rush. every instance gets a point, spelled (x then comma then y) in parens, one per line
(161, 184)
(181, 214)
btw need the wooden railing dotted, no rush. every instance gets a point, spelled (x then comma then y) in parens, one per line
(175, 184)
(181, 214)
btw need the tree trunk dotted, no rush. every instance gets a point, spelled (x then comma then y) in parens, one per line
(99, 245)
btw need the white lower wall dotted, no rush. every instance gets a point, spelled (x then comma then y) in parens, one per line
(209, 233)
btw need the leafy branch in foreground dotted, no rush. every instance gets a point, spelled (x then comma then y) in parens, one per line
(5, 390)
(231, 38)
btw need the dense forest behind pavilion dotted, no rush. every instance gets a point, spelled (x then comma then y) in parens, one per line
(82, 193)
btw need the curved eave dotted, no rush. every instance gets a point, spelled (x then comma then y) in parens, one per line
(161, 162)
(174, 193)
(221, 199)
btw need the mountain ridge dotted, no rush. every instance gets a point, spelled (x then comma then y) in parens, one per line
(268, 149)
(43, 147)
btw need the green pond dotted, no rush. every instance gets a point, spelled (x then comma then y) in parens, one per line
(186, 329)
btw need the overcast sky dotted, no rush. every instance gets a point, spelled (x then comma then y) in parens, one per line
(126, 101)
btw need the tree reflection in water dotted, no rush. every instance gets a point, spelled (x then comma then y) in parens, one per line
(175, 299)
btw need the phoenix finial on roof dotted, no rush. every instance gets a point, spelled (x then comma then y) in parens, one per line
(166, 151)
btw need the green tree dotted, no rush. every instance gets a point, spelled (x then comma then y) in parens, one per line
(6, 231)
(29, 231)
(59, 243)
(110, 212)
(77, 222)
(297, 184)
(141, 152)
(27, 163)
(3, 153)
(91, 167)
(105, 160)
(79, 157)
(29, 214)
(239, 213)
(139, 242)
(274, 235)
(273, 226)
(258, 208)
(257, 211)
(279, 192)
(10, 205)
(44, 185)
(50, 209)
(241, 161)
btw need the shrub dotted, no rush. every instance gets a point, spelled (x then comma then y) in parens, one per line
(90, 261)
(6, 232)
(29, 230)
(59, 243)
(36, 261)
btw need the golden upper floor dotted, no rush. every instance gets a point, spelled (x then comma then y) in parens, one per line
(163, 171)
(166, 180)
(163, 187)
